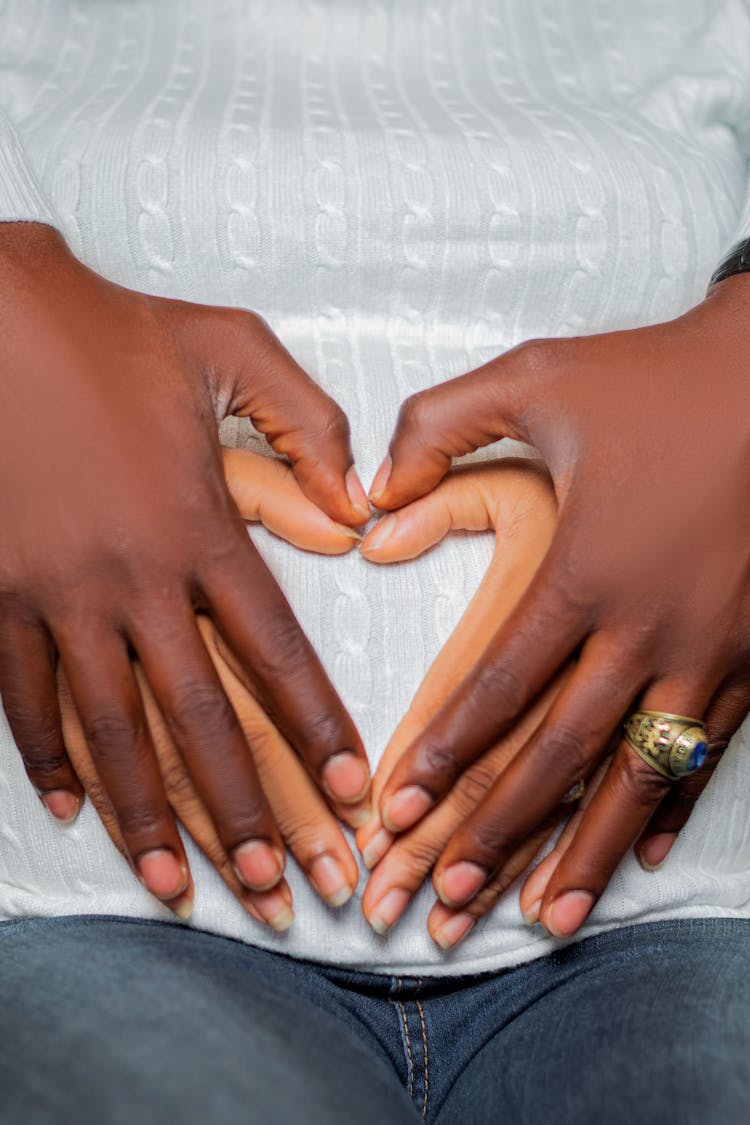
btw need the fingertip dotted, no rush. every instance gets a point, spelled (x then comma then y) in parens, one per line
(273, 908)
(653, 851)
(567, 912)
(374, 546)
(182, 906)
(258, 864)
(402, 809)
(357, 496)
(331, 881)
(375, 847)
(164, 874)
(356, 817)
(380, 480)
(62, 805)
(454, 930)
(346, 777)
(535, 885)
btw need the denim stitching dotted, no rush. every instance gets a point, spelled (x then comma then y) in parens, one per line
(407, 1037)
(423, 1025)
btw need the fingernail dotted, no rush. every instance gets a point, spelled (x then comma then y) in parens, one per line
(283, 920)
(182, 907)
(162, 873)
(346, 777)
(406, 807)
(63, 806)
(275, 909)
(357, 495)
(359, 819)
(568, 912)
(460, 882)
(390, 908)
(531, 916)
(655, 850)
(380, 480)
(349, 532)
(380, 534)
(455, 930)
(258, 865)
(330, 881)
(374, 851)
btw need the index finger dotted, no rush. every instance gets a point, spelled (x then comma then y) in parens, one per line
(531, 646)
(258, 626)
(461, 415)
(300, 420)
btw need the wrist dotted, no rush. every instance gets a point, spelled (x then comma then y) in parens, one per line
(736, 262)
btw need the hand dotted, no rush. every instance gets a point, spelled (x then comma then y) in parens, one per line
(646, 435)
(117, 528)
(516, 500)
(263, 489)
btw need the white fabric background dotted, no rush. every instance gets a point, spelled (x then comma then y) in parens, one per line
(404, 188)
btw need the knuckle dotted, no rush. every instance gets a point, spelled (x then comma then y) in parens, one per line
(417, 856)
(538, 355)
(99, 797)
(248, 818)
(490, 839)
(640, 783)
(325, 733)
(302, 831)
(564, 749)
(140, 820)
(437, 763)
(111, 731)
(199, 707)
(44, 769)
(414, 414)
(475, 784)
(285, 653)
(38, 734)
(499, 686)
(177, 784)
(250, 320)
(333, 425)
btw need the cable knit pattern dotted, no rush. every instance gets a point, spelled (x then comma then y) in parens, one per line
(404, 188)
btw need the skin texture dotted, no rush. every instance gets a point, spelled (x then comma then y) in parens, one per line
(118, 529)
(264, 489)
(646, 581)
(514, 499)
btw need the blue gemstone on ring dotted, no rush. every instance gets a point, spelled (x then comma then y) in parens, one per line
(697, 756)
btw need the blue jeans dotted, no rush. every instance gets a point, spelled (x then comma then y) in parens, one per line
(106, 1021)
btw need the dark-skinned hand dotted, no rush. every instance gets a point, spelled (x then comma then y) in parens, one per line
(646, 434)
(118, 528)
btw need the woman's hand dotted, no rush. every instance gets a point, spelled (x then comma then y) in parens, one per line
(647, 437)
(516, 500)
(264, 489)
(117, 528)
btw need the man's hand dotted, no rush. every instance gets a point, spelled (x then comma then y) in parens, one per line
(117, 528)
(646, 434)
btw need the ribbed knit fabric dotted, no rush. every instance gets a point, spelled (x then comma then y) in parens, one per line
(404, 188)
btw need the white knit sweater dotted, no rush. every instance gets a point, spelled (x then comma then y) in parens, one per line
(404, 188)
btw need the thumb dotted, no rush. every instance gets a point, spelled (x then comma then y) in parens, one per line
(455, 418)
(252, 375)
(265, 489)
(497, 494)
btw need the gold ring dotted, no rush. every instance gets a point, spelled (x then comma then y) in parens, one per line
(673, 745)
